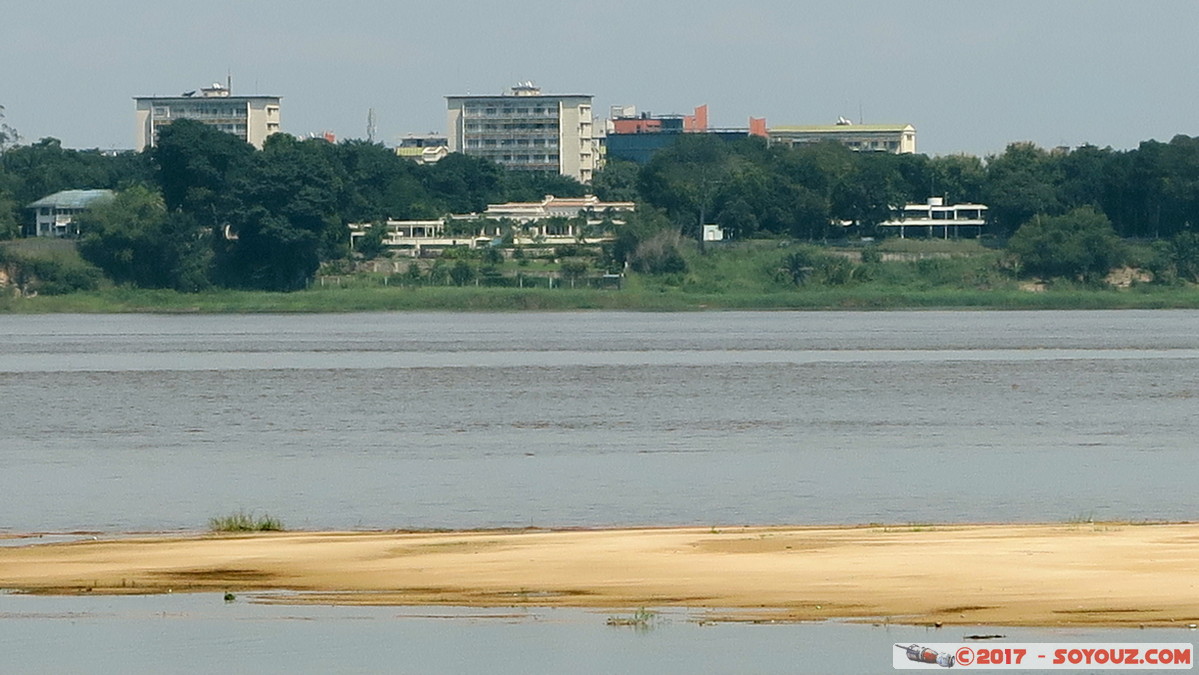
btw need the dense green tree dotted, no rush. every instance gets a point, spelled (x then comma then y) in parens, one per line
(685, 178)
(8, 135)
(1078, 245)
(464, 184)
(196, 165)
(1176, 259)
(135, 240)
(617, 181)
(10, 226)
(30, 172)
(865, 197)
(1083, 177)
(462, 273)
(533, 186)
(643, 224)
(286, 219)
(958, 178)
(659, 254)
(370, 244)
(380, 185)
(1021, 183)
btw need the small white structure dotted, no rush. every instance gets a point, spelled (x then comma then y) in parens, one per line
(935, 218)
(54, 215)
(713, 233)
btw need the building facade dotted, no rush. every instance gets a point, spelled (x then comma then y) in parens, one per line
(54, 215)
(637, 137)
(526, 130)
(935, 218)
(250, 118)
(553, 220)
(427, 149)
(899, 139)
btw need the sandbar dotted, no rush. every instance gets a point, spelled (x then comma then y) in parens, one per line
(1093, 574)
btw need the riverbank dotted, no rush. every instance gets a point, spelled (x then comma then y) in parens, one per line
(1033, 575)
(425, 298)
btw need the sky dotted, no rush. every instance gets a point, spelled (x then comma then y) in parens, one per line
(971, 76)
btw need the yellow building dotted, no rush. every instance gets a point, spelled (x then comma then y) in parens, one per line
(899, 139)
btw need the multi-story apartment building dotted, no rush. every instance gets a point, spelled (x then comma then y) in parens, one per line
(250, 118)
(898, 139)
(525, 129)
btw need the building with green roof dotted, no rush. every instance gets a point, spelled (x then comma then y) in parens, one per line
(54, 215)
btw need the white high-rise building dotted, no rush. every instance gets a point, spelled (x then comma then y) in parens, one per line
(250, 118)
(525, 129)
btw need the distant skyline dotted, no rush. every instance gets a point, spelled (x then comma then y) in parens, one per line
(970, 76)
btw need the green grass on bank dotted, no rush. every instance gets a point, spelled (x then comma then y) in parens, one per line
(747, 275)
(369, 299)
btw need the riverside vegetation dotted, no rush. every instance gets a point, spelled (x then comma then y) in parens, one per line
(204, 222)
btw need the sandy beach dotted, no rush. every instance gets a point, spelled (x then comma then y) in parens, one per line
(1036, 575)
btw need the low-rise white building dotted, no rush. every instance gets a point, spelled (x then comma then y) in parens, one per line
(553, 220)
(936, 219)
(54, 216)
(558, 207)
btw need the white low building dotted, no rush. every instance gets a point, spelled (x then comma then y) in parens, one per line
(553, 220)
(589, 207)
(54, 215)
(935, 218)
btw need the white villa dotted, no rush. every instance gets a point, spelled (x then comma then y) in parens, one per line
(54, 215)
(936, 219)
(553, 220)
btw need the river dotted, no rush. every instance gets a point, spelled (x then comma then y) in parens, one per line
(439, 420)
(119, 423)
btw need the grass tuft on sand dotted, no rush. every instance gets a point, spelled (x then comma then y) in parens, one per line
(244, 521)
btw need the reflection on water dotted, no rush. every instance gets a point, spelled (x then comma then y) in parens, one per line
(119, 423)
(202, 633)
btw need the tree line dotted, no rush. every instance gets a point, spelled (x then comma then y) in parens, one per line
(750, 188)
(203, 208)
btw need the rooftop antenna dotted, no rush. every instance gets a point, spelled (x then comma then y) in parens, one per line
(229, 81)
(370, 125)
(860, 118)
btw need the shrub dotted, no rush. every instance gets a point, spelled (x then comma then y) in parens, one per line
(659, 255)
(1079, 245)
(243, 521)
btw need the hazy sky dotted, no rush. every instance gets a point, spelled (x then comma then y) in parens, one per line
(971, 76)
